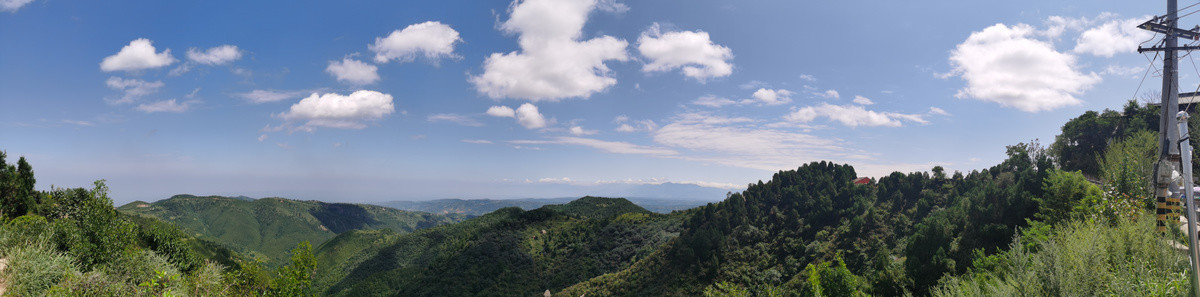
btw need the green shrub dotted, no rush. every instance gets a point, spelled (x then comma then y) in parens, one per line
(1064, 192)
(88, 228)
(34, 267)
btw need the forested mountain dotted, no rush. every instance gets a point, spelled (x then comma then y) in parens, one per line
(509, 252)
(269, 227)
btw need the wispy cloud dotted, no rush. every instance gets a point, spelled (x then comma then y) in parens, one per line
(463, 120)
(616, 147)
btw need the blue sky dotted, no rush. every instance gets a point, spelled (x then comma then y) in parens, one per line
(389, 100)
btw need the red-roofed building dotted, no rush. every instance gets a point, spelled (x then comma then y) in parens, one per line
(862, 181)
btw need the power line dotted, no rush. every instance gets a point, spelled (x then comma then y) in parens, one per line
(1148, 67)
(1185, 8)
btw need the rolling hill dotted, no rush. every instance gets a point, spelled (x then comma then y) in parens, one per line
(269, 227)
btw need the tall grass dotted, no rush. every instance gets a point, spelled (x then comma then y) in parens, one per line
(33, 268)
(1083, 258)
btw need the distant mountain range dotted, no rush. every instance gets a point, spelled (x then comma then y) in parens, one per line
(478, 207)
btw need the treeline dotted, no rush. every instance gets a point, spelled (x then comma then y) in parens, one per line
(72, 242)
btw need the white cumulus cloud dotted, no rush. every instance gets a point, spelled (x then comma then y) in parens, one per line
(139, 54)
(1006, 65)
(353, 71)
(431, 39)
(692, 51)
(1113, 37)
(219, 55)
(501, 111)
(831, 94)
(852, 116)
(333, 110)
(863, 100)
(553, 63)
(773, 97)
(527, 115)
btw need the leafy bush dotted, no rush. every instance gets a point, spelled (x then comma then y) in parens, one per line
(296, 279)
(1067, 194)
(828, 279)
(88, 228)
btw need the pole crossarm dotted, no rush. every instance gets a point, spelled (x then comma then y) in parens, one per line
(1159, 49)
(1156, 25)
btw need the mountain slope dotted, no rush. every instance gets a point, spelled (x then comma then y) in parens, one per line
(270, 227)
(509, 252)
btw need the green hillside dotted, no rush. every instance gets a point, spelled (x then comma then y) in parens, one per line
(270, 227)
(509, 252)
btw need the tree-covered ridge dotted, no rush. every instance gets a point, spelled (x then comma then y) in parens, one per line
(899, 234)
(509, 252)
(269, 227)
